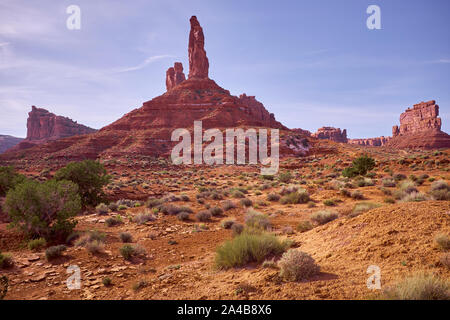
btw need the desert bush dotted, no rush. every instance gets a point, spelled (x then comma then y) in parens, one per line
(43, 210)
(389, 200)
(439, 185)
(113, 221)
(129, 251)
(273, 197)
(322, 217)
(445, 259)
(113, 206)
(285, 177)
(408, 187)
(90, 176)
(345, 192)
(297, 197)
(37, 244)
(399, 177)
(203, 216)
(440, 195)
(362, 207)
(442, 241)
(183, 216)
(102, 209)
(143, 217)
(5, 261)
(126, 237)
(95, 247)
(329, 202)
(360, 166)
(227, 224)
(258, 220)
(54, 252)
(107, 281)
(140, 285)
(228, 205)
(9, 179)
(414, 197)
(420, 286)
(288, 189)
(246, 202)
(238, 194)
(388, 182)
(296, 265)
(246, 248)
(216, 211)
(153, 203)
(357, 195)
(237, 229)
(304, 226)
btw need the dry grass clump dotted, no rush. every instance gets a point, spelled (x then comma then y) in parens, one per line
(442, 241)
(420, 286)
(258, 220)
(296, 197)
(248, 247)
(322, 217)
(440, 190)
(203, 216)
(362, 207)
(296, 265)
(304, 226)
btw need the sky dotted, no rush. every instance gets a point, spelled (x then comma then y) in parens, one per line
(311, 63)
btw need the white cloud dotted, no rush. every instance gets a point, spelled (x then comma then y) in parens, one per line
(142, 65)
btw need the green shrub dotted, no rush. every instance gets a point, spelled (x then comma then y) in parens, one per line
(322, 217)
(414, 197)
(129, 251)
(360, 166)
(419, 287)
(285, 177)
(443, 241)
(5, 261)
(43, 209)
(113, 221)
(304, 226)
(90, 176)
(37, 244)
(389, 182)
(296, 265)
(246, 248)
(9, 179)
(329, 202)
(357, 195)
(107, 282)
(55, 252)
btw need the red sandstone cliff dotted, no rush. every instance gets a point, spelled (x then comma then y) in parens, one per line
(372, 142)
(330, 133)
(43, 126)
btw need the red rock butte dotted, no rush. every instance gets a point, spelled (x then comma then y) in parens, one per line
(330, 133)
(44, 126)
(147, 130)
(420, 127)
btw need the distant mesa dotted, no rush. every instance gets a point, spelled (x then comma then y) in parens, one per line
(331, 133)
(371, 142)
(7, 142)
(43, 126)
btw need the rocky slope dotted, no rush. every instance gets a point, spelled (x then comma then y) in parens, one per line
(7, 142)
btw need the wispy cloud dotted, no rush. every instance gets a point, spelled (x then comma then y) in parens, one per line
(142, 65)
(440, 61)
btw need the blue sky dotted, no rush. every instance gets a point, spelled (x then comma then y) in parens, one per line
(312, 63)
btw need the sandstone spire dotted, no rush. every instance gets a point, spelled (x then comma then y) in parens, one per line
(174, 75)
(198, 62)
